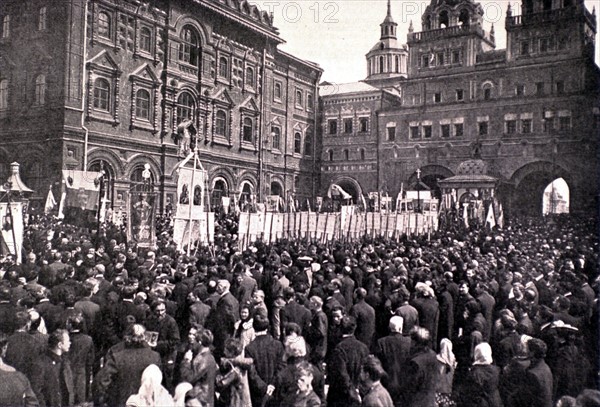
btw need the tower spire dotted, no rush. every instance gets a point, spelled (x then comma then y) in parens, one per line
(389, 8)
(388, 27)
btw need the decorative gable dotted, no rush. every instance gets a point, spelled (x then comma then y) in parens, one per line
(249, 106)
(103, 62)
(222, 97)
(145, 74)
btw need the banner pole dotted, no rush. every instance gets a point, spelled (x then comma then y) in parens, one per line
(12, 229)
(191, 203)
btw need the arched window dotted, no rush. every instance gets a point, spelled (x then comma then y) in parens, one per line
(3, 94)
(219, 190)
(297, 143)
(223, 67)
(250, 77)
(276, 135)
(346, 155)
(221, 123)
(40, 90)
(277, 91)
(185, 107)
(464, 19)
(104, 25)
(145, 39)
(142, 104)
(247, 130)
(138, 183)
(444, 20)
(381, 64)
(102, 94)
(33, 175)
(330, 155)
(397, 60)
(362, 154)
(189, 47)
(98, 166)
(299, 98)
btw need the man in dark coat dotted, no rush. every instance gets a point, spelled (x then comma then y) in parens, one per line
(422, 372)
(294, 312)
(81, 358)
(428, 309)
(52, 379)
(122, 372)
(168, 338)
(344, 369)
(22, 348)
(393, 351)
(446, 306)
(223, 318)
(267, 354)
(539, 380)
(316, 336)
(365, 317)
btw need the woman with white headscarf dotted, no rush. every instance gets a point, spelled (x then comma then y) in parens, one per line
(151, 393)
(446, 367)
(481, 387)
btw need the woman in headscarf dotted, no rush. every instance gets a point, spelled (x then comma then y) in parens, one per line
(243, 328)
(180, 394)
(481, 385)
(446, 366)
(151, 393)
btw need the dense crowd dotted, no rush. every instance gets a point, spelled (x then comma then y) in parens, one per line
(458, 318)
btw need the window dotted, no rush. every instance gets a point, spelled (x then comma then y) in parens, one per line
(562, 43)
(3, 94)
(483, 128)
(276, 135)
(223, 67)
(296, 182)
(524, 47)
(142, 104)
(185, 107)
(220, 123)
(539, 88)
(146, 39)
(308, 144)
(250, 77)
(309, 101)
(520, 90)
(247, 130)
(460, 94)
(544, 44)
(299, 98)
(437, 97)
(414, 132)
(297, 143)
(102, 95)
(348, 126)
(526, 126)
(391, 133)
(548, 121)
(510, 126)
(458, 130)
(364, 124)
(104, 25)
(277, 91)
(42, 18)
(40, 90)
(487, 94)
(188, 49)
(427, 131)
(425, 60)
(564, 123)
(445, 129)
(6, 26)
(330, 155)
(560, 87)
(440, 58)
(346, 155)
(332, 124)
(362, 154)
(456, 57)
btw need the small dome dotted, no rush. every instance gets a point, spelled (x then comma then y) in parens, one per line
(472, 167)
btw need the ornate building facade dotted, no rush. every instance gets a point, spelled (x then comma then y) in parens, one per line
(530, 111)
(85, 83)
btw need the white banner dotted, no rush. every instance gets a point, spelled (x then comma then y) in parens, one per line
(8, 225)
(189, 192)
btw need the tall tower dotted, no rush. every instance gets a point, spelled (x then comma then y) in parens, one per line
(451, 39)
(387, 60)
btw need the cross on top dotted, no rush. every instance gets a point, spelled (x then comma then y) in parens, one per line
(418, 173)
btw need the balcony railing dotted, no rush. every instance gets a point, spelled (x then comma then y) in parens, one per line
(550, 16)
(447, 32)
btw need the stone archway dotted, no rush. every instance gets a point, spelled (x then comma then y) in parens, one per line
(351, 186)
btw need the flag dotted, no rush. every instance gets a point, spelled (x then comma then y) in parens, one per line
(335, 189)
(490, 219)
(500, 217)
(81, 197)
(50, 202)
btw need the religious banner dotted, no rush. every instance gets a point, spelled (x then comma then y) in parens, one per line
(190, 190)
(312, 224)
(268, 226)
(79, 202)
(140, 221)
(12, 229)
(322, 225)
(333, 224)
(202, 231)
(277, 226)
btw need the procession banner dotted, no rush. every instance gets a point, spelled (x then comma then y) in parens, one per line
(312, 224)
(268, 225)
(81, 196)
(13, 243)
(322, 225)
(243, 224)
(277, 228)
(190, 194)
(202, 232)
(140, 222)
(333, 224)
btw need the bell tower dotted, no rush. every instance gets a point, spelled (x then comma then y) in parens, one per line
(387, 60)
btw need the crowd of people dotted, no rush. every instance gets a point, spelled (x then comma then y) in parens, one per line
(457, 318)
